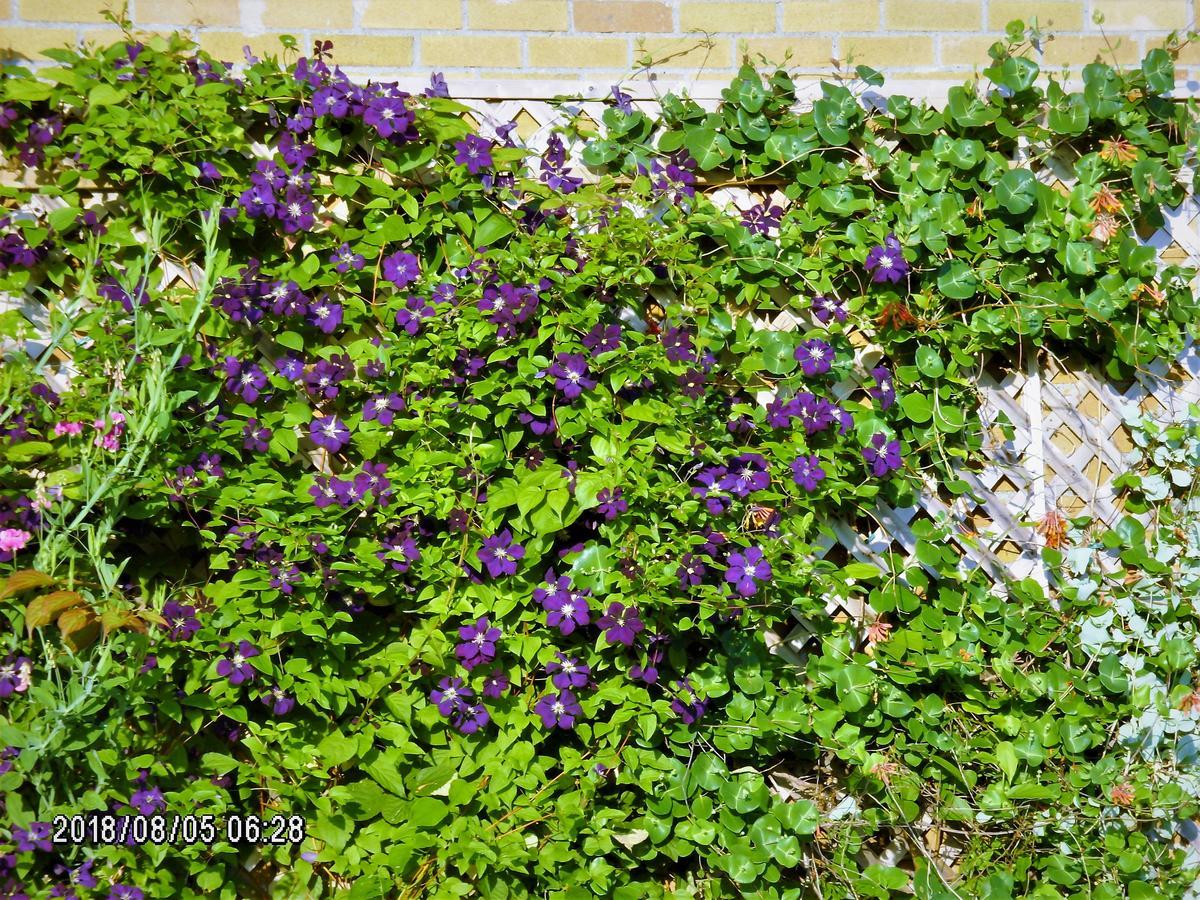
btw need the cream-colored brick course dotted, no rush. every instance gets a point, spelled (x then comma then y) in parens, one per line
(723, 16)
(910, 51)
(474, 50)
(309, 15)
(517, 15)
(809, 53)
(89, 11)
(830, 16)
(932, 15)
(562, 52)
(413, 14)
(692, 51)
(627, 16)
(1062, 15)
(28, 43)
(189, 12)
(1144, 15)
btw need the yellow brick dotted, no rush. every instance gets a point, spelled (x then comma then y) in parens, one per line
(28, 43)
(807, 52)
(830, 15)
(1076, 52)
(584, 52)
(969, 51)
(309, 15)
(106, 37)
(227, 45)
(631, 16)
(717, 15)
(689, 52)
(372, 50)
(1066, 15)
(419, 15)
(1142, 15)
(932, 16)
(188, 12)
(1188, 56)
(67, 10)
(517, 15)
(889, 50)
(461, 51)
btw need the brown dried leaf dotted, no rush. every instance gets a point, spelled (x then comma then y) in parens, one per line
(24, 580)
(46, 608)
(79, 627)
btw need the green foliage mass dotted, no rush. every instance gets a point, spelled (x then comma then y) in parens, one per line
(972, 725)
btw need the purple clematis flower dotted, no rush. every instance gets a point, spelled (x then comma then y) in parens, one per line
(496, 684)
(36, 837)
(471, 718)
(759, 219)
(709, 489)
(255, 437)
(807, 472)
(620, 624)
(325, 315)
(401, 269)
(746, 569)
(451, 695)
(388, 116)
(559, 710)
(885, 387)
(235, 667)
(886, 261)
(567, 672)
(678, 344)
(603, 339)
(279, 702)
(345, 259)
(691, 571)
(566, 608)
(148, 801)
(500, 554)
(478, 644)
(181, 621)
(611, 504)
(882, 455)
(815, 357)
(473, 152)
(383, 408)
(244, 379)
(688, 706)
(329, 433)
(747, 473)
(826, 308)
(409, 319)
(290, 367)
(570, 372)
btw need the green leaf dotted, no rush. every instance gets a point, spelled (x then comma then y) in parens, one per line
(855, 685)
(106, 95)
(917, 408)
(1081, 258)
(871, 76)
(492, 229)
(708, 147)
(1016, 191)
(1159, 69)
(778, 350)
(957, 281)
(929, 362)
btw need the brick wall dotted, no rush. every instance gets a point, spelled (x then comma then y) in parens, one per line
(602, 40)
